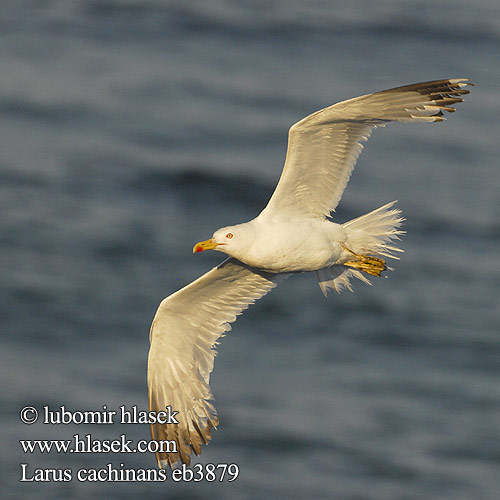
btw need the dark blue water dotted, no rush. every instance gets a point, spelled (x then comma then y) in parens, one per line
(132, 129)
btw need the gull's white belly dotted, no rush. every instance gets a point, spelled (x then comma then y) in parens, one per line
(295, 247)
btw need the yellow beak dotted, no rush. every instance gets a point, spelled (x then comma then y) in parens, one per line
(204, 245)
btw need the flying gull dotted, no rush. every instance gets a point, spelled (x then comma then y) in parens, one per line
(292, 234)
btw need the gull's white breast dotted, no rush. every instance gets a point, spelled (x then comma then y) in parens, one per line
(285, 247)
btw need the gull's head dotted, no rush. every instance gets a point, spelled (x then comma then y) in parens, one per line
(231, 240)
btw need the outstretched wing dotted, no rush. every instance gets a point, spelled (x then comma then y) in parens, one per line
(324, 147)
(183, 337)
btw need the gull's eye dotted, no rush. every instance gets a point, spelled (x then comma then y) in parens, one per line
(229, 236)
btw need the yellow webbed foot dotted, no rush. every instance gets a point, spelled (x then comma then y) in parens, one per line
(366, 263)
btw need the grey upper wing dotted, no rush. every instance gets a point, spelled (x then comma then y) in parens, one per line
(324, 147)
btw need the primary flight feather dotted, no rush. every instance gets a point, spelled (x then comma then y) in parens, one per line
(292, 234)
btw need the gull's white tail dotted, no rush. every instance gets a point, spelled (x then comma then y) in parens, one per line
(371, 234)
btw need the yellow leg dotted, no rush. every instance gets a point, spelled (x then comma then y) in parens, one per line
(366, 263)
